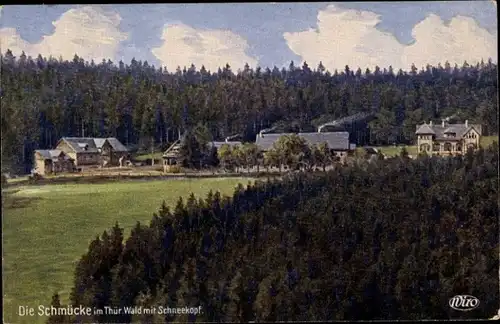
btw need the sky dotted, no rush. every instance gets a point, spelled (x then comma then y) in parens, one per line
(358, 34)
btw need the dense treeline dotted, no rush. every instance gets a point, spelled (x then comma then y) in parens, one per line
(391, 239)
(44, 99)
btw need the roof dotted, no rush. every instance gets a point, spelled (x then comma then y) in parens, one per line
(91, 145)
(116, 144)
(438, 130)
(51, 154)
(425, 129)
(334, 140)
(267, 140)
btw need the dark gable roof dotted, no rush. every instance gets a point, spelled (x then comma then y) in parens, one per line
(91, 145)
(267, 140)
(81, 144)
(45, 154)
(334, 140)
(438, 130)
(425, 129)
(51, 154)
(116, 145)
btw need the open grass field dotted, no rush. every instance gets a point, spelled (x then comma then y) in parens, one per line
(144, 157)
(47, 228)
(488, 140)
(394, 150)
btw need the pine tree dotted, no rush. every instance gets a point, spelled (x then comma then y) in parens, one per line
(55, 318)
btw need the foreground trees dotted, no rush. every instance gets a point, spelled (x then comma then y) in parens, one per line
(393, 240)
(289, 151)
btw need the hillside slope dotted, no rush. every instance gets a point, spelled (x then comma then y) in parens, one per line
(393, 240)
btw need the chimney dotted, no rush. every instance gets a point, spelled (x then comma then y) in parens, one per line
(442, 122)
(430, 122)
(466, 123)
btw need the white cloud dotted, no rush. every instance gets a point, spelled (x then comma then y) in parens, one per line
(184, 45)
(461, 40)
(349, 37)
(90, 32)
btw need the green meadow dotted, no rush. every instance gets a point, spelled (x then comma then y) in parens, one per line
(47, 228)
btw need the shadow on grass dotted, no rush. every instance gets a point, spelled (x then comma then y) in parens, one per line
(11, 202)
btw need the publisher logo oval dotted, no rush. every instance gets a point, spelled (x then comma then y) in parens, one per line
(464, 303)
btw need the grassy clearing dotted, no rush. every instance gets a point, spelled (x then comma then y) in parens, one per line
(396, 150)
(17, 180)
(47, 228)
(488, 140)
(144, 157)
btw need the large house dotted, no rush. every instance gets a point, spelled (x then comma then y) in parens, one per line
(447, 139)
(52, 161)
(72, 152)
(338, 142)
(87, 151)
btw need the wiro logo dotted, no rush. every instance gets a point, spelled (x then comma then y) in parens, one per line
(464, 303)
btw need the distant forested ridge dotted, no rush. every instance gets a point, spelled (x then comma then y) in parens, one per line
(393, 239)
(45, 99)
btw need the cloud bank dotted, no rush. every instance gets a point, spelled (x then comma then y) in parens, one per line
(350, 37)
(183, 45)
(90, 32)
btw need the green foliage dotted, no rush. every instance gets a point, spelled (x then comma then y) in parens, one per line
(322, 156)
(142, 105)
(251, 155)
(404, 153)
(360, 153)
(193, 151)
(55, 318)
(382, 243)
(225, 155)
(291, 151)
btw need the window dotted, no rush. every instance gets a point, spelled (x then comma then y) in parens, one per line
(425, 147)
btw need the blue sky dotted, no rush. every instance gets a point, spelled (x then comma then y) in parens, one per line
(266, 34)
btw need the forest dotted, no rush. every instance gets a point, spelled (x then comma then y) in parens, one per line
(393, 239)
(44, 99)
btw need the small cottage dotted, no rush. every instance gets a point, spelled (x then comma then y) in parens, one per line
(52, 161)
